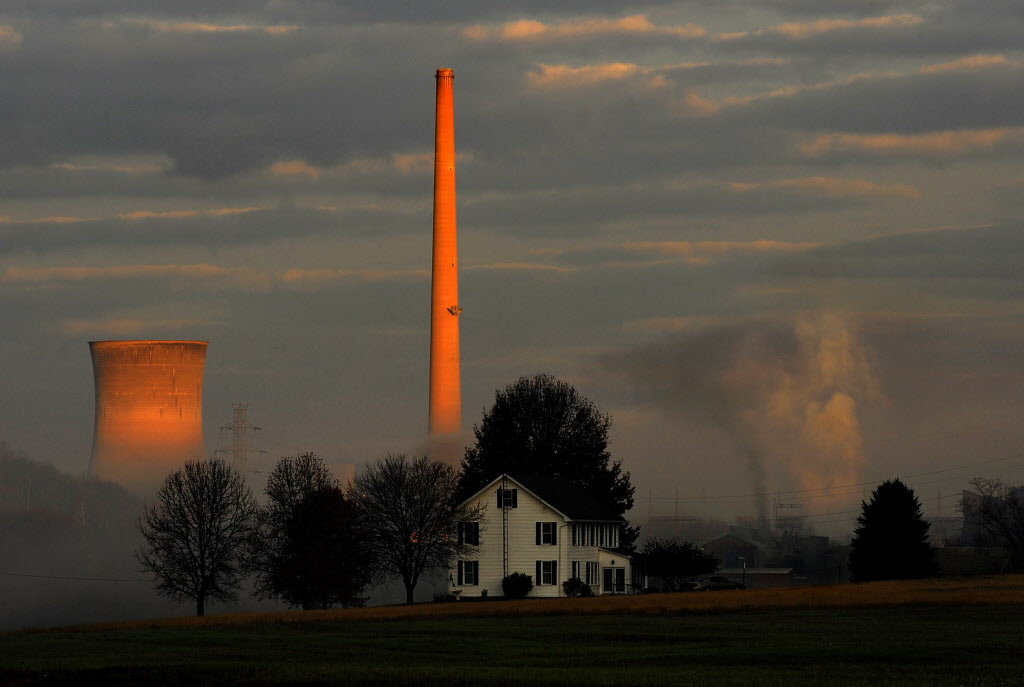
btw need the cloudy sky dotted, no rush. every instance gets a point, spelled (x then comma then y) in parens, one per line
(779, 241)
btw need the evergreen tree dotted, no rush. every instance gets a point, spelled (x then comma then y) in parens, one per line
(891, 541)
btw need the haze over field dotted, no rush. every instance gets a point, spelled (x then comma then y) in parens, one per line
(779, 241)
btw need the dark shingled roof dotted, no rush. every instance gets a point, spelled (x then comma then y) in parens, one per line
(567, 498)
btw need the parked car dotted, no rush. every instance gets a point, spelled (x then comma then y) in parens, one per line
(716, 583)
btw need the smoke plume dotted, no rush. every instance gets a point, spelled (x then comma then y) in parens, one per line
(786, 390)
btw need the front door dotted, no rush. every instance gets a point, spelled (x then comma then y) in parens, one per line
(613, 581)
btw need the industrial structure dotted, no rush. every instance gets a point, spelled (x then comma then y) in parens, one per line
(149, 409)
(445, 384)
(234, 441)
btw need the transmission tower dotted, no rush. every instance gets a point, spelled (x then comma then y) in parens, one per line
(235, 438)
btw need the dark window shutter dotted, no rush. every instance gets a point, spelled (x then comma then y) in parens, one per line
(462, 533)
(540, 577)
(538, 534)
(459, 576)
(515, 498)
(500, 498)
(554, 572)
(554, 533)
(476, 534)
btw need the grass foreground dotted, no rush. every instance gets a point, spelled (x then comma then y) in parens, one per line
(931, 632)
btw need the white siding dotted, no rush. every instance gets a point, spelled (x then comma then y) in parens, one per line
(522, 544)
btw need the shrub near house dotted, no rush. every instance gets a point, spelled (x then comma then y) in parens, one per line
(544, 527)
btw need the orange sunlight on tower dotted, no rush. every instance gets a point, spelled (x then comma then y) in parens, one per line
(149, 409)
(445, 382)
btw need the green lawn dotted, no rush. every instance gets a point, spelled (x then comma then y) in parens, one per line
(917, 645)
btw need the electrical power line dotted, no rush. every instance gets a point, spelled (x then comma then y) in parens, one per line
(83, 579)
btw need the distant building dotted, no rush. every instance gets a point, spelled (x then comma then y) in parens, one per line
(733, 551)
(545, 527)
(758, 578)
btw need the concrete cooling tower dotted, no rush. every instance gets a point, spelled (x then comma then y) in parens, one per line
(149, 409)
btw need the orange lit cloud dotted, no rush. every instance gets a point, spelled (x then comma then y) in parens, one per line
(9, 37)
(52, 219)
(236, 276)
(972, 63)
(313, 277)
(201, 27)
(182, 214)
(403, 163)
(295, 168)
(40, 275)
(562, 76)
(135, 215)
(834, 187)
(529, 30)
(140, 168)
(521, 267)
(934, 143)
(695, 104)
(801, 30)
(703, 252)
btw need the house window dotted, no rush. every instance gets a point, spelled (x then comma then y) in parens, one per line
(576, 565)
(508, 498)
(468, 573)
(547, 533)
(547, 572)
(592, 573)
(469, 533)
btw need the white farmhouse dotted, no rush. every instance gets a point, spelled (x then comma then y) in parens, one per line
(544, 527)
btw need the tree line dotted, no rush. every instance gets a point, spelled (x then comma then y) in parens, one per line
(316, 544)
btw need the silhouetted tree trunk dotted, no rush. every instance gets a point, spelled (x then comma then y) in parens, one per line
(198, 532)
(411, 515)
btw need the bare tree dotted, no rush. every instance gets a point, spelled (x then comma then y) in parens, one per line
(998, 510)
(197, 533)
(411, 515)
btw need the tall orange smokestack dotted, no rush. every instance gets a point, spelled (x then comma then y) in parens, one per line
(445, 382)
(149, 409)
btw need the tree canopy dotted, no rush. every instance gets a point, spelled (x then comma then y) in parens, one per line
(676, 561)
(198, 533)
(891, 540)
(998, 510)
(540, 425)
(411, 517)
(312, 551)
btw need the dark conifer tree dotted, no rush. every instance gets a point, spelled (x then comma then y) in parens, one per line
(891, 541)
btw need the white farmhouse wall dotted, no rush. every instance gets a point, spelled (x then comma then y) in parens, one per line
(524, 552)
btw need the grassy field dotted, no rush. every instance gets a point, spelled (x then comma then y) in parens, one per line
(919, 633)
